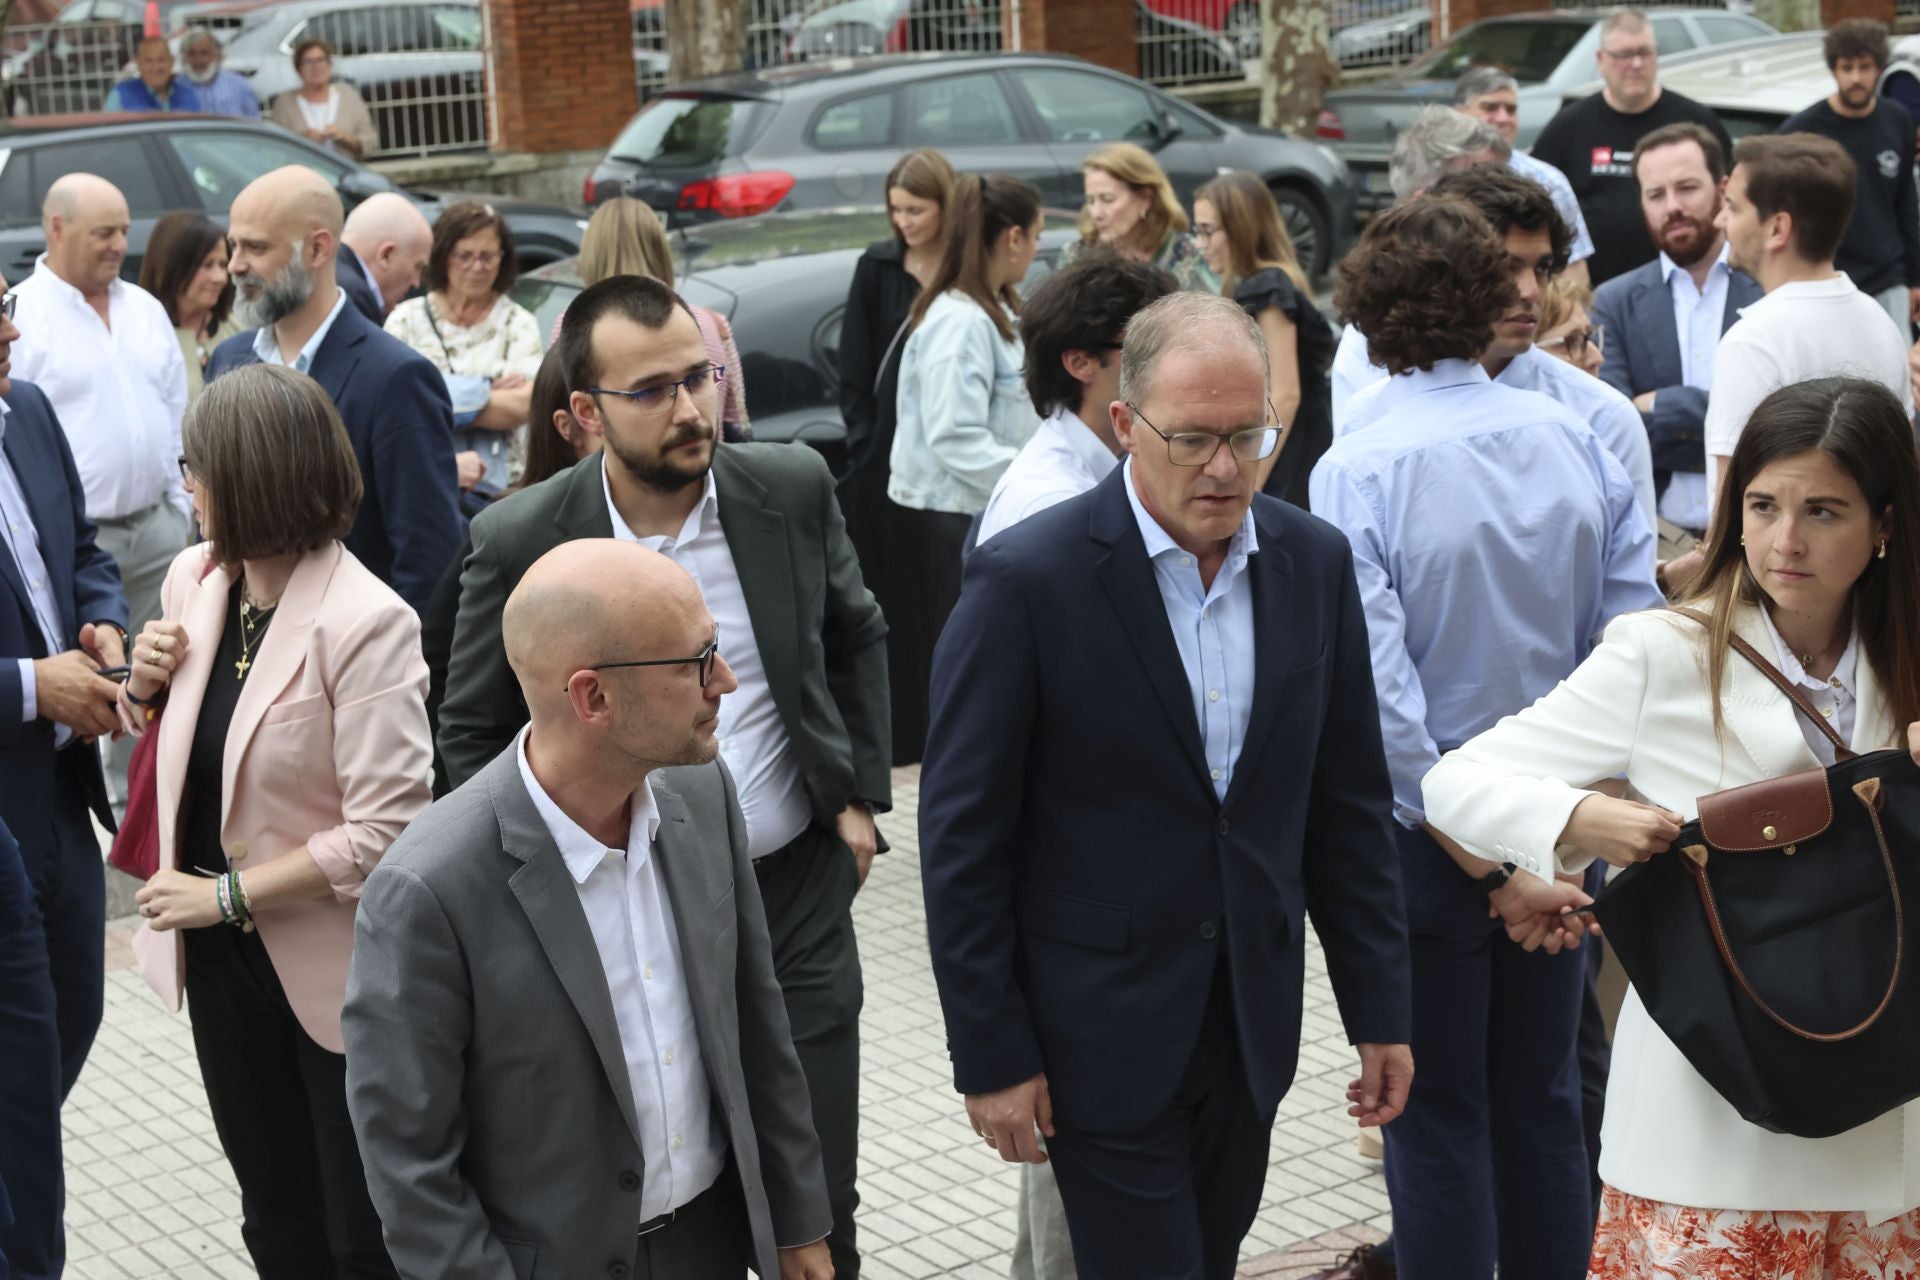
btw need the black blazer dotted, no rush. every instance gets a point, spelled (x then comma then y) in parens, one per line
(86, 588)
(820, 634)
(354, 283)
(1082, 880)
(398, 415)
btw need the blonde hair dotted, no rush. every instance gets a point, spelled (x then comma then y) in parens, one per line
(1559, 301)
(624, 238)
(1255, 228)
(1125, 162)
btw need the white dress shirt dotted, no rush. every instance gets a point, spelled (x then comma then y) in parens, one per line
(1833, 698)
(266, 344)
(1800, 331)
(753, 738)
(1063, 460)
(120, 389)
(22, 540)
(1697, 314)
(639, 946)
(1213, 630)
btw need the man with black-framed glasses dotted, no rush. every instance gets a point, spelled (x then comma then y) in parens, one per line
(806, 734)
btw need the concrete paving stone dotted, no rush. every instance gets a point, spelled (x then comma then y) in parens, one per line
(938, 1251)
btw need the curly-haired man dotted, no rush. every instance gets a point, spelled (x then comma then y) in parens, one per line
(1494, 536)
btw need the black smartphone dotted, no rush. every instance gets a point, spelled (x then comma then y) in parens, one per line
(116, 674)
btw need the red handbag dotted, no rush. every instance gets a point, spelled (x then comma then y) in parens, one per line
(136, 846)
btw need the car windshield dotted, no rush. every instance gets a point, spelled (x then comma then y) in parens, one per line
(1532, 51)
(688, 132)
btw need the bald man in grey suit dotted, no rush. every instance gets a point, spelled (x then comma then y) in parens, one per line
(567, 1054)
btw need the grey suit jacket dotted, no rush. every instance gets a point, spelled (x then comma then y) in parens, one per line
(821, 636)
(485, 1075)
(1643, 354)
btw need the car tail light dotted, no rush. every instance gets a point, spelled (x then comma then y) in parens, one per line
(589, 191)
(737, 195)
(897, 38)
(1327, 125)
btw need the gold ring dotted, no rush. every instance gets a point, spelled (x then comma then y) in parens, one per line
(155, 656)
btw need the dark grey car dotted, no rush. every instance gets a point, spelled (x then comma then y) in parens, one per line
(824, 135)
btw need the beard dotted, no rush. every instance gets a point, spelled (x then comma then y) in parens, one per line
(1697, 243)
(258, 303)
(199, 79)
(654, 470)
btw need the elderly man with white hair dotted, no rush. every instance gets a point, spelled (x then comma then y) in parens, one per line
(221, 92)
(386, 243)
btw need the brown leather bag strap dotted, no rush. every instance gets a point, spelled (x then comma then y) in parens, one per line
(1868, 793)
(1841, 751)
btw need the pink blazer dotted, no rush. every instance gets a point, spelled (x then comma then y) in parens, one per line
(328, 752)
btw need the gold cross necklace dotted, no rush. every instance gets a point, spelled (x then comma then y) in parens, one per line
(253, 621)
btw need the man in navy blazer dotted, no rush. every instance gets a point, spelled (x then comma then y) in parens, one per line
(1682, 172)
(285, 229)
(1154, 753)
(63, 618)
(351, 276)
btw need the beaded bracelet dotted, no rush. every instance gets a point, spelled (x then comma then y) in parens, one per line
(242, 903)
(222, 894)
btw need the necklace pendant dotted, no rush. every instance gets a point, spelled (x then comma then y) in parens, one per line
(240, 667)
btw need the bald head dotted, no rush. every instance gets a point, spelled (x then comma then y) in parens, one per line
(295, 200)
(393, 240)
(86, 222)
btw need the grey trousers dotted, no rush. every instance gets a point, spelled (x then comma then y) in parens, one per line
(1042, 1250)
(143, 545)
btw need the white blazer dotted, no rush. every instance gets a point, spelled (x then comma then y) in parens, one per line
(1639, 706)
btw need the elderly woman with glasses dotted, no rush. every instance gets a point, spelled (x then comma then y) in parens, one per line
(485, 344)
(322, 110)
(1567, 329)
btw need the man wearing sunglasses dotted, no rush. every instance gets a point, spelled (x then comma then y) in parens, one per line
(806, 734)
(567, 1053)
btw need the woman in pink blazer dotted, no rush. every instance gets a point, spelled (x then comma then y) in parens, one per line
(293, 750)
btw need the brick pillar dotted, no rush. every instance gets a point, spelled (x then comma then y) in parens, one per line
(562, 73)
(1832, 11)
(1106, 32)
(1449, 16)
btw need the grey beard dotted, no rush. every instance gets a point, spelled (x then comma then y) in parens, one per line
(207, 79)
(257, 306)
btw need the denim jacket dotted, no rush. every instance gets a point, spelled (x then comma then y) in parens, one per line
(963, 409)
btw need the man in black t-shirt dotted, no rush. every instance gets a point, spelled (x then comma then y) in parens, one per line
(1881, 251)
(1592, 141)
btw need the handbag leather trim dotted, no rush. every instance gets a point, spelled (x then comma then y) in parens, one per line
(1769, 814)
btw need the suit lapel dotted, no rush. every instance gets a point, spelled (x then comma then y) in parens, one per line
(692, 874)
(8, 569)
(1757, 713)
(1276, 645)
(1653, 314)
(583, 511)
(1127, 576)
(551, 901)
(274, 664)
(757, 540)
(339, 353)
(205, 620)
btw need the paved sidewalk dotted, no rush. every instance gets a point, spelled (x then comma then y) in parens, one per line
(150, 1193)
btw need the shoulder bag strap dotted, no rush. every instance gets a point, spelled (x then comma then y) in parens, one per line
(880, 373)
(1841, 750)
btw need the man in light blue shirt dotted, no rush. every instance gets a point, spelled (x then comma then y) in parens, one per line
(222, 93)
(1492, 96)
(1494, 537)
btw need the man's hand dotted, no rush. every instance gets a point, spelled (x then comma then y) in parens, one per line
(1531, 908)
(854, 825)
(103, 644)
(1644, 401)
(1380, 1094)
(470, 467)
(806, 1262)
(1006, 1119)
(1676, 574)
(1621, 832)
(69, 690)
(510, 382)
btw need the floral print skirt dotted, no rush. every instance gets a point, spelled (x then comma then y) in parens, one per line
(1641, 1239)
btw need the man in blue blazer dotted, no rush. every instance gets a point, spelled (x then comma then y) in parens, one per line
(63, 618)
(1648, 355)
(1154, 753)
(285, 229)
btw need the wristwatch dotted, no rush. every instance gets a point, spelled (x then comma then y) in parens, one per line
(1492, 882)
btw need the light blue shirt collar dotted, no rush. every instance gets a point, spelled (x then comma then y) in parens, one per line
(1246, 541)
(1720, 270)
(267, 347)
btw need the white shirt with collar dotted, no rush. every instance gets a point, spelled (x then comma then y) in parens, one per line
(1353, 372)
(1697, 314)
(1064, 459)
(1800, 331)
(634, 932)
(753, 738)
(267, 346)
(120, 388)
(1213, 631)
(1833, 698)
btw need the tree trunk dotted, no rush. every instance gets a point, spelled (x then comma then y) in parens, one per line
(6, 98)
(704, 37)
(1297, 69)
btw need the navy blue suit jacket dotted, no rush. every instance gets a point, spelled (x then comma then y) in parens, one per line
(86, 588)
(400, 420)
(1642, 354)
(1082, 879)
(353, 282)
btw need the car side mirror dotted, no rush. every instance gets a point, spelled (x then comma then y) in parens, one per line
(1165, 130)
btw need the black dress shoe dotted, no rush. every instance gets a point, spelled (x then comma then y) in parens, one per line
(1365, 1263)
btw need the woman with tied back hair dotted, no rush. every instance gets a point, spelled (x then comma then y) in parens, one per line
(292, 752)
(1239, 228)
(1131, 208)
(963, 414)
(186, 268)
(1817, 566)
(624, 238)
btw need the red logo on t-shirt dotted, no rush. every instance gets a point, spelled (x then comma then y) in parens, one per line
(1602, 156)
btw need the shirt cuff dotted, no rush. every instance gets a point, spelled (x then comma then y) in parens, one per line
(29, 703)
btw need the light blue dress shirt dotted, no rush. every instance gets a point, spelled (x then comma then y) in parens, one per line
(1611, 415)
(1494, 538)
(23, 543)
(1697, 316)
(1353, 372)
(227, 94)
(1564, 201)
(267, 347)
(1213, 630)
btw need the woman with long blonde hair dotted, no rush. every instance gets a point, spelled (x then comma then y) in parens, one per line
(1239, 228)
(1131, 208)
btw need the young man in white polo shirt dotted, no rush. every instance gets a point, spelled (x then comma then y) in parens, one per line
(1788, 202)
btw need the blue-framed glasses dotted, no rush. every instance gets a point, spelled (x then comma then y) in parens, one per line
(658, 399)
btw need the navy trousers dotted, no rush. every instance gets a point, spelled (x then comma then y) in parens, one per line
(52, 970)
(1488, 1167)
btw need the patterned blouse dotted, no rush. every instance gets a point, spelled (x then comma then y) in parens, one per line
(1179, 253)
(506, 340)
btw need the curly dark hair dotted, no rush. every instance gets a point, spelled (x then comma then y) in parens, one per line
(1857, 38)
(1510, 202)
(1426, 283)
(1083, 307)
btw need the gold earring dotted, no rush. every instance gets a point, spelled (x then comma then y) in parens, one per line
(1743, 539)
(1881, 554)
